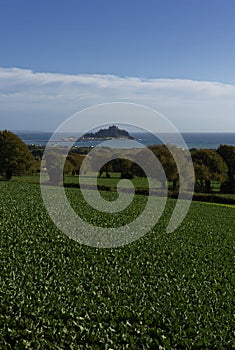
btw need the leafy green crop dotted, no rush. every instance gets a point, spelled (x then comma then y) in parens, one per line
(164, 291)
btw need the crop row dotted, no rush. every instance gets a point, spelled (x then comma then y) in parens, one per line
(165, 291)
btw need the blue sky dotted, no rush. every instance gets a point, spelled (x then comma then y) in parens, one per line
(58, 57)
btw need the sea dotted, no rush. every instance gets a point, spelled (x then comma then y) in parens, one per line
(205, 140)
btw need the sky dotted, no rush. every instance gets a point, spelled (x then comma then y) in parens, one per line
(58, 57)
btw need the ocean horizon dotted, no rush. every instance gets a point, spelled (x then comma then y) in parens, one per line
(208, 140)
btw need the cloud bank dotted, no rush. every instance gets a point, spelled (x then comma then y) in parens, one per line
(33, 100)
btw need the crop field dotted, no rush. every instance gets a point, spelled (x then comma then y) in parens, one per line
(163, 291)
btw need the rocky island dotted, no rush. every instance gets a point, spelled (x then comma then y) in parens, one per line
(105, 134)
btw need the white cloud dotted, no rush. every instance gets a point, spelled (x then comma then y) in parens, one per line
(26, 96)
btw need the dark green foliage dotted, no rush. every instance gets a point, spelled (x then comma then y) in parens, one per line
(208, 166)
(214, 198)
(165, 155)
(164, 291)
(15, 158)
(228, 186)
(168, 163)
(36, 150)
(54, 164)
(76, 161)
(127, 168)
(228, 154)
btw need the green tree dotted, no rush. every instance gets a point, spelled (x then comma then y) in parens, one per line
(209, 166)
(76, 161)
(15, 157)
(54, 165)
(228, 154)
(68, 167)
(168, 163)
(107, 169)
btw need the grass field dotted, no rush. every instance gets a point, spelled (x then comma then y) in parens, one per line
(164, 291)
(139, 182)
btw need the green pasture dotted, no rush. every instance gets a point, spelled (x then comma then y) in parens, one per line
(139, 182)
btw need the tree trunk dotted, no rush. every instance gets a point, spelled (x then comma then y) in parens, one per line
(8, 174)
(207, 186)
(174, 184)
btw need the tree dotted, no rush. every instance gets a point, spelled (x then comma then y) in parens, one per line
(168, 163)
(208, 166)
(15, 157)
(68, 167)
(57, 165)
(228, 154)
(107, 169)
(76, 161)
(54, 165)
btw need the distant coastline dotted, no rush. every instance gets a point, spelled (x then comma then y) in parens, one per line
(193, 140)
(107, 134)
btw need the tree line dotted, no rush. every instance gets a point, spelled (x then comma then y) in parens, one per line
(210, 165)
